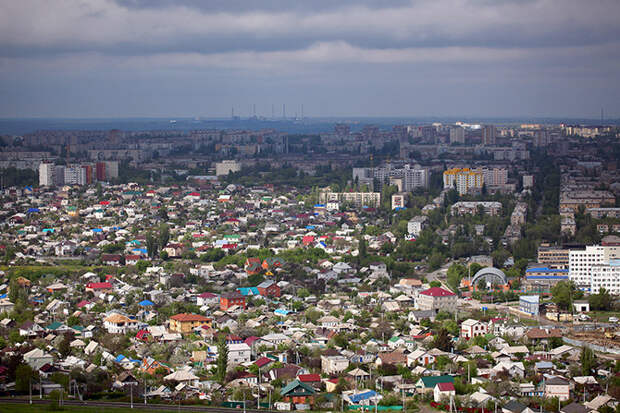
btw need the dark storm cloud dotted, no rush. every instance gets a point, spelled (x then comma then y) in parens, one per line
(135, 27)
(239, 6)
(348, 45)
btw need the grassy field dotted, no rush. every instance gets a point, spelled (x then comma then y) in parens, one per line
(603, 316)
(7, 407)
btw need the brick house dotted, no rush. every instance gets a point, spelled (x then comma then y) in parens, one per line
(269, 288)
(231, 299)
(185, 322)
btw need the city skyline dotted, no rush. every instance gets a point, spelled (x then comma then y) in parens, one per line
(104, 58)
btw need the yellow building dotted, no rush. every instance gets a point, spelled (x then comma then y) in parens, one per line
(185, 323)
(463, 180)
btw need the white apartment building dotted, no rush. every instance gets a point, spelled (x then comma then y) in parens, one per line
(414, 178)
(46, 174)
(416, 225)
(582, 262)
(359, 199)
(493, 177)
(226, 167)
(75, 175)
(464, 180)
(457, 135)
(411, 177)
(606, 276)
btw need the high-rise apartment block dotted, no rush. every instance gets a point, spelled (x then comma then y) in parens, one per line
(47, 172)
(457, 135)
(463, 180)
(594, 266)
(489, 135)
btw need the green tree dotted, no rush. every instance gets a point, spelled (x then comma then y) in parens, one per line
(23, 374)
(151, 244)
(362, 249)
(601, 301)
(442, 340)
(435, 261)
(142, 265)
(563, 294)
(587, 361)
(164, 235)
(221, 364)
(456, 272)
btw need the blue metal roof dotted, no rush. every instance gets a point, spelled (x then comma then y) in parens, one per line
(545, 269)
(248, 291)
(145, 303)
(362, 396)
(546, 277)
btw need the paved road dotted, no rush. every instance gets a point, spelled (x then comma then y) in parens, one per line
(440, 275)
(136, 406)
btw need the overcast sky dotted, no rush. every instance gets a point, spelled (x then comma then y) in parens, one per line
(124, 58)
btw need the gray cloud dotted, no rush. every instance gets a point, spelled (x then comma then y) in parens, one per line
(354, 47)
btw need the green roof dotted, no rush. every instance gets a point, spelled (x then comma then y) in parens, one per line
(54, 325)
(297, 388)
(432, 381)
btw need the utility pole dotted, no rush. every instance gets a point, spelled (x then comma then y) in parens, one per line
(30, 390)
(131, 394)
(145, 390)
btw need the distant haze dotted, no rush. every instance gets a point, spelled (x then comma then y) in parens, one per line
(435, 58)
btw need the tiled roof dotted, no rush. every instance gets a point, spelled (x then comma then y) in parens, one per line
(186, 317)
(437, 292)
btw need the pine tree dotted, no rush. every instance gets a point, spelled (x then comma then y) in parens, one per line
(164, 235)
(151, 245)
(587, 361)
(222, 361)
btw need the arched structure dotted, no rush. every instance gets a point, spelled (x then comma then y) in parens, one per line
(490, 275)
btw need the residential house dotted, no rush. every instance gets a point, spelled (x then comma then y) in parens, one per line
(269, 288)
(185, 323)
(437, 299)
(239, 353)
(37, 358)
(207, 299)
(427, 383)
(117, 323)
(473, 328)
(394, 357)
(443, 391)
(229, 300)
(334, 364)
(420, 357)
(557, 387)
(298, 393)
(150, 365)
(112, 259)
